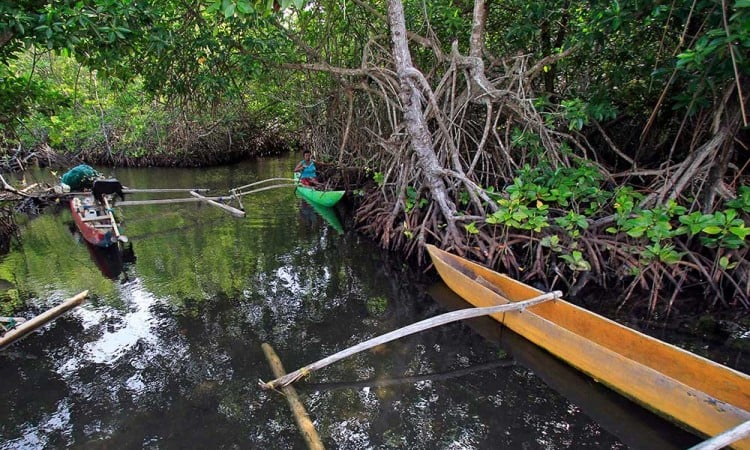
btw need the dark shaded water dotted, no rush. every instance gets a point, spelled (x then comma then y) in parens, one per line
(167, 353)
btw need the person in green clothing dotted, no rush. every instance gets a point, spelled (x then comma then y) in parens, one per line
(306, 168)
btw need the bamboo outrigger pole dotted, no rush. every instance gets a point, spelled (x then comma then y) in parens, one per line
(405, 331)
(726, 438)
(304, 423)
(115, 228)
(229, 209)
(36, 322)
(133, 191)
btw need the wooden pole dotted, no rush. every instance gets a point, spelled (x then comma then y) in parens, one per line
(405, 331)
(163, 201)
(229, 209)
(726, 438)
(36, 322)
(261, 182)
(133, 191)
(264, 188)
(237, 193)
(305, 425)
(113, 221)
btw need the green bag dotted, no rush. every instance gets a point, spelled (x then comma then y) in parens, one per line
(80, 177)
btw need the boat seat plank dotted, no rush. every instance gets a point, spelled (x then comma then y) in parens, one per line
(95, 219)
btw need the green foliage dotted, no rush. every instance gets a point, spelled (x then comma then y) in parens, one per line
(576, 261)
(742, 202)
(655, 224)
(413, 200)
(720, 229)
(664, 253)
(471, 228)
(716, 57)
(574, 112)
(569, 197)
(376, 306)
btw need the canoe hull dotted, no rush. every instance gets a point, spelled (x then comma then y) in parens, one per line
(703, 396)
(100, 233)
(323, 198)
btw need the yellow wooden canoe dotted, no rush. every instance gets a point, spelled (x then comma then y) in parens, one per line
(703, 396)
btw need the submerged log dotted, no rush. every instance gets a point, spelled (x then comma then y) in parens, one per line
(304, 423)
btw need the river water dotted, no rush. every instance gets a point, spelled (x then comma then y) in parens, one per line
(167, 353)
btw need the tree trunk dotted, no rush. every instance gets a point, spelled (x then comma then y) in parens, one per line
(416, 125)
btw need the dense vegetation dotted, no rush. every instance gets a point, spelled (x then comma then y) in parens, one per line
(566, 142)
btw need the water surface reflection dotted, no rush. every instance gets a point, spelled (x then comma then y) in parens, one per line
(170, 356)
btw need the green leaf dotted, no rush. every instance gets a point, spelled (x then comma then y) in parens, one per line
(229, 11)
(636, 232)
(741, 231)
(712, 229)
(244, 7)
(472, 228)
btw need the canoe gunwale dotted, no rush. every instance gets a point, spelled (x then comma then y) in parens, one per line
(691, 406)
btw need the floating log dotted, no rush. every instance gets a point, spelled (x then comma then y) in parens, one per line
(36, 322)
(305, 425)
(229, 209)
(405, 331)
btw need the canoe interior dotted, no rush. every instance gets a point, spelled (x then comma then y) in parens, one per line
(100, 232)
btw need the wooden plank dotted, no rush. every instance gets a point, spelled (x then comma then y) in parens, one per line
(229, 209)
(95, 219)
(36, 322)
(305, 425)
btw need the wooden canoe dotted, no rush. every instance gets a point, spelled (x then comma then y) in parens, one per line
(94, 221)
(705, 397)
